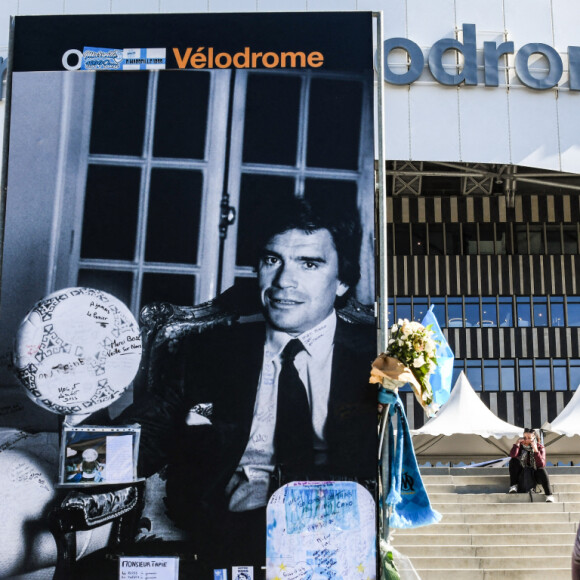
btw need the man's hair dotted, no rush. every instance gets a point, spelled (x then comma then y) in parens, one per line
(309, 216)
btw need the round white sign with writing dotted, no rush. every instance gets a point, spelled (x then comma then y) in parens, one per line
(77, 350)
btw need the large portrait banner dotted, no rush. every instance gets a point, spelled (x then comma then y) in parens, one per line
(214, 172)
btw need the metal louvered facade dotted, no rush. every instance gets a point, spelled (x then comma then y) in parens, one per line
(540, 275)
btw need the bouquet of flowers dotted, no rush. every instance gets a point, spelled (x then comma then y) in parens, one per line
(410, 358)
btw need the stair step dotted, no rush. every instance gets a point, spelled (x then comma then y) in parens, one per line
(503, 563)
(477, 540)
(451, 551)
(504, 518)
(521, 574)
(498, 497)
(513, 508)
(493, 479)
(486, 488)
(514, 527)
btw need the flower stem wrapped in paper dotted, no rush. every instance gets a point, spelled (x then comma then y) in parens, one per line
(410, 358)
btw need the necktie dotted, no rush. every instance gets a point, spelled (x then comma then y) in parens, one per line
(293, 435)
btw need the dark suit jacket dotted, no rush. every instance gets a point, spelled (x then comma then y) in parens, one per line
(221, 367)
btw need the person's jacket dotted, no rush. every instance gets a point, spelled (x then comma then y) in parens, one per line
(540, 456)
(198, 420)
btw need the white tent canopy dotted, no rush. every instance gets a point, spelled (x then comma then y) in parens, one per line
(464, 430)
(562, 435)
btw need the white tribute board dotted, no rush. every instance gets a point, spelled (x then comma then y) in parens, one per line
(321, 530)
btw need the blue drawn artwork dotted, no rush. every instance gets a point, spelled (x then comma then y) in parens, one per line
(321, 531)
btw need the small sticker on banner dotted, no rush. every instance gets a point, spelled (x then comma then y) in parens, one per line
(148, 568)
(95, 58)
(242, 573)
(220, 574)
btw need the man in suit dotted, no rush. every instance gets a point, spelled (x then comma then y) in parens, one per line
(240, 410)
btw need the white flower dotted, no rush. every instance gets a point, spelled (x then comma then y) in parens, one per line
(432, 409)
(419, 362)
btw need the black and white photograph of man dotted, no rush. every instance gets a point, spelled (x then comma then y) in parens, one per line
(183, 187)
(242, 409)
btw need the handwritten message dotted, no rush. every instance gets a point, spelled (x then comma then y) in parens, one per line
(321, 530)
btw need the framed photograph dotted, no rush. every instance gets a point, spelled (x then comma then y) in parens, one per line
(92, 455)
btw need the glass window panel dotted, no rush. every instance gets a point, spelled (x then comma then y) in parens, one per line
(454, 312)
(436, 247)
(556, 310)
(420, 307)
(560, 375)
(573, 303)
(119, 105)
(524, 311)
(502, 245)
(508, 375)
(574, 373)
(117, 283)
(261, 196)
(540, 311)
(174, 216)
(469, 239)
(403, 308)
(334, 124)
(472, 311)
(458, 366)
(402, 240)
(491, 375)
(419, 239)
(453, 239)
(181, 114)
(332, 196)
(271, 122)
(536, 234)
(486, 239)
(110, 212)
(542, 375)
(526, 375)
(570, 239)
(175, 288)
(521, 239)
(488, 311)
(391, 238)
(438, 304)
(506, 313)
(473, 372)
(553, 239)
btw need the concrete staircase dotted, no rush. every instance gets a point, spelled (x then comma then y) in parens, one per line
(487, 534)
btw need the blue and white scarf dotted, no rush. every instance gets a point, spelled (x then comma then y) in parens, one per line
(407, 497)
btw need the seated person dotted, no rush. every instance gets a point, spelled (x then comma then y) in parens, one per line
(240, 410)
(528, 452)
